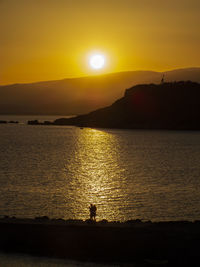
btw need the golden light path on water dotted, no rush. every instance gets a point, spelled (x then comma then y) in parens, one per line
(95, 153)
(98, 176)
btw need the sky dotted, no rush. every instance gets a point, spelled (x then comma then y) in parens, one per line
(53, 39)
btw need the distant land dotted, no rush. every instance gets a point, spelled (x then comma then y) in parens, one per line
(80, 95)
(173, 106)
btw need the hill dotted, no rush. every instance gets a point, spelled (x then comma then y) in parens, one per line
(80, 95)
(148, 106)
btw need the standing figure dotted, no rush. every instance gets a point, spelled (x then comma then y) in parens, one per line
(93, 210)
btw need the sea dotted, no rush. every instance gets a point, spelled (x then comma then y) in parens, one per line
(57, 171)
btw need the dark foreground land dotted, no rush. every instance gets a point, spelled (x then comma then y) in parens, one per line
(132, 242)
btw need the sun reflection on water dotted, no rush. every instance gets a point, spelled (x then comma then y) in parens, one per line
(94, 154)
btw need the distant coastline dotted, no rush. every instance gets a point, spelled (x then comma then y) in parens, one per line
(167, 106)
(4, 122)
(81, 95)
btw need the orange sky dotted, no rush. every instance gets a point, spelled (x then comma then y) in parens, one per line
(52, 39)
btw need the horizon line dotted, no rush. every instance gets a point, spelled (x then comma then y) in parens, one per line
(97, 75)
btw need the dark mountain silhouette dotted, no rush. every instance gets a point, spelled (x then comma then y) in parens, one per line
(80, 95)
(148, 106)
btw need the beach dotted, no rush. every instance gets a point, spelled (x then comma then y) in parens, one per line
(146, 243)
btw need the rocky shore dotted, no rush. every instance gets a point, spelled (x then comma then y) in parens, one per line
(4, 122)
(131, 242)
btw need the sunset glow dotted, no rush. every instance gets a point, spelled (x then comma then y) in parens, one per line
(42, 42)
(100, 132)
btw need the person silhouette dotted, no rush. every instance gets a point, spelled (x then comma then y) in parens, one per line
(93, 210)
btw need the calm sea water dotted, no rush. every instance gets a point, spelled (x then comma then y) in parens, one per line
(129, 174)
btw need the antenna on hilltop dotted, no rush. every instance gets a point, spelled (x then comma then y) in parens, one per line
(163, 79)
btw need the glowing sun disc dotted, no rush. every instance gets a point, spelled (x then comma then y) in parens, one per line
(97, 61)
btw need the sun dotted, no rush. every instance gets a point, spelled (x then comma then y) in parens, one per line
(97, 61)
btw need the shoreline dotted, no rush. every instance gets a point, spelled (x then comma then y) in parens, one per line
(82, 126)
(173, 243)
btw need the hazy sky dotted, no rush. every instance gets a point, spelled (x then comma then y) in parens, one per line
(52, 39)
